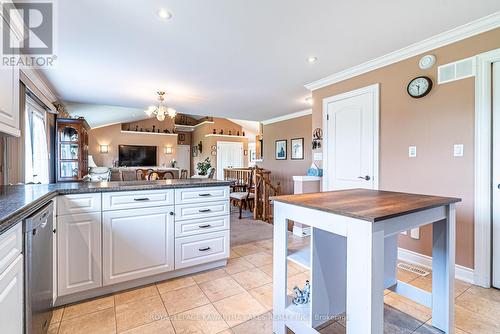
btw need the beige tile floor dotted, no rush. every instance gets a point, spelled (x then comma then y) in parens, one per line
(238, 299)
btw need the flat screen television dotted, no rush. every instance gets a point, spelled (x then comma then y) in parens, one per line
(133, 155)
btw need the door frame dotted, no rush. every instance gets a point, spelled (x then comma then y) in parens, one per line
(482, 165)
(375, 90)
(218, 155)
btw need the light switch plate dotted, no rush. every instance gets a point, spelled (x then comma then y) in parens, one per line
(458, 150)
(318, 156)
(412, 151)
(415, 233)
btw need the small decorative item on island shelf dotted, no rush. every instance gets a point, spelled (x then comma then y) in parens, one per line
(214, 132)
(204, 166)
(302, 296)
(221, 132)
(229, 132)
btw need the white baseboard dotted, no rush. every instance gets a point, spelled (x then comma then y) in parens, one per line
(301, 231)
(462, 273)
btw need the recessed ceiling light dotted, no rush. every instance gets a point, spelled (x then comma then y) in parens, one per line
(164, 14)
(312, 59)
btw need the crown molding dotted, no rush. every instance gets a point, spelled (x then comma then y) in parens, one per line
(467, 30)
(288, 116)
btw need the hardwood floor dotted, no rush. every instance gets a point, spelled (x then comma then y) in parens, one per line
(238, 299)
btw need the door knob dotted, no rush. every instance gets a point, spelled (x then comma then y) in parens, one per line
(366, 178)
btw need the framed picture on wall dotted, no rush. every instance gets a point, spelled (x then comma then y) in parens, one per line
(280, 149)
(297, 147)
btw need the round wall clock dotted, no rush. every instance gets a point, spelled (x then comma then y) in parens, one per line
(419, 87)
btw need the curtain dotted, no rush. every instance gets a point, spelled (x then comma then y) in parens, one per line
(37, 153)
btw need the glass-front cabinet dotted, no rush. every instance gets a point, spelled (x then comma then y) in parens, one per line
(72, 149)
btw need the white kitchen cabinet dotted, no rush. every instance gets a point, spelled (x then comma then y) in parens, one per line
(9, 98)
(78, 203)
(204, 248)
(11, 298)
(137, 243)
(79, 252)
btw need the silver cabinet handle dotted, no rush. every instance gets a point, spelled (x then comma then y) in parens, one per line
(204, 249)
(204, 226)
(367, 178)
(204, 210)
(204, 195)
(141, 199)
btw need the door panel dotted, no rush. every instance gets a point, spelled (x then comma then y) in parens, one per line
(352, 142)
(79, 252)
(496, 176)
(137, 243)
(183, 157)
(229, 155)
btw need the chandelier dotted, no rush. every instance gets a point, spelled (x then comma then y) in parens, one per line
(160, 110)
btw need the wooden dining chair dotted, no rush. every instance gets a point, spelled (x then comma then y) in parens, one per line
(184, 174)
(244, 199)
(212, 173)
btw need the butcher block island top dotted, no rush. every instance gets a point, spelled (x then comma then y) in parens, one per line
(365, 204)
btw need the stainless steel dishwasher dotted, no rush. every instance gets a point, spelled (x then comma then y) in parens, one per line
(38, 230)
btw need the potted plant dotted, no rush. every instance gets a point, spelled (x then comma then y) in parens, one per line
(204, 166)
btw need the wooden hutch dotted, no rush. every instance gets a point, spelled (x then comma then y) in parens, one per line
(72, 149)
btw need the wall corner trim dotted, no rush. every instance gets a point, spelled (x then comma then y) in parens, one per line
(462, 273)
(467, 30)
(287, 116)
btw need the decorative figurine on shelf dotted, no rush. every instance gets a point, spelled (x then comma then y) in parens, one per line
(302, 296)
(214, 132)
(221, 132)
(128, 129)
(154, 126)
(229, 132)
(238, 133)
(243, 133)
(137, 128)
(166, 131)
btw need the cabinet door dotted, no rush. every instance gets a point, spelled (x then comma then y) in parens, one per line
(79, 252)
(11, 298)
(137, 243)
(9, 101)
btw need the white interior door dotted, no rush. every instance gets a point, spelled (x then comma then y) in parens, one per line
(496, 176)
(229, 155)
(183, 157)
(351, 144)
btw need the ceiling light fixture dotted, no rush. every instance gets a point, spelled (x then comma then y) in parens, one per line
(164, 14)
(312, 59)
(160, 110)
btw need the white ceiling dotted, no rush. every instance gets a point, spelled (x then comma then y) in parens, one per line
(232, 58)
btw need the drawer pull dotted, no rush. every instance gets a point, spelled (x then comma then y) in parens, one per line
(142, 199)
(204, 195)
(204, 249)
(204, 210)
(204, 226)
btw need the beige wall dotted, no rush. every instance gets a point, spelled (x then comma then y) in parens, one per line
(284, 170)
(113, 136)
(207, 142)
(433, 124)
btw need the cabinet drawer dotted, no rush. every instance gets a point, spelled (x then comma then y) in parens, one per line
(137, 199)
(194, 250)
(11, 245)
(186, 228)
(201, 210)
(78, 203)
(200, 195)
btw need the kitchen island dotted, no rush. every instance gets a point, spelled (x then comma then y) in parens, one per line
(112, 236)
(353, 257)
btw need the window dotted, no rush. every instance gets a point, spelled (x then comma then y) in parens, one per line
(36, 145)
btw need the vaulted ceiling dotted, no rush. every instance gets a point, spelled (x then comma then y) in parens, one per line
(232, 58)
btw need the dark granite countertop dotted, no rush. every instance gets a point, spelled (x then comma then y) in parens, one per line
(19, 201)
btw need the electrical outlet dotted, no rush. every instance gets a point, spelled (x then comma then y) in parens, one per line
(458, 150)
(415, 233)
(412, 151)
